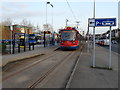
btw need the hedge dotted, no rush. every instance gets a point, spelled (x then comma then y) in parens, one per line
(2, 47)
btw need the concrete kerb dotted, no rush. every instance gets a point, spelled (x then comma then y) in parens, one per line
(19, 59)
(74, 69)
(22, 58)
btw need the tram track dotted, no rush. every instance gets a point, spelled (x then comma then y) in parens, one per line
(53, 67)
(29, 66)
(31, 87)
(56, 67)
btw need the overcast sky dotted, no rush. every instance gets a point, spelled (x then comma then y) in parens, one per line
(35, 11)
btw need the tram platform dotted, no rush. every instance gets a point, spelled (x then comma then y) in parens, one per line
(38, 50)
(86, 77)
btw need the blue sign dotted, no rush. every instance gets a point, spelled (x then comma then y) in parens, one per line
(105, 22)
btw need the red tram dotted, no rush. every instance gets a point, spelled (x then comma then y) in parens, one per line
(69, 38)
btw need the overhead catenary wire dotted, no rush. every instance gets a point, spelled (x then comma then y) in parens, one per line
(71, 10)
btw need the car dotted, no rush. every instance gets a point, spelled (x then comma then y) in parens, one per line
(100, 42)
(97, 41)
(40, 41)
(106, 42)
(114, 41)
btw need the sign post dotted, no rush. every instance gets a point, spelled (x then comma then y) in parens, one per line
(88, 38)
(94, 46)
(91, 23)
(101, 22)
(110, 50)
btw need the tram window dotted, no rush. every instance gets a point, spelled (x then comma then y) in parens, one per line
(68, 35)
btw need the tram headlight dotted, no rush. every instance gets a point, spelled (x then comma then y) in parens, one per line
(62, 42)
(73, 42)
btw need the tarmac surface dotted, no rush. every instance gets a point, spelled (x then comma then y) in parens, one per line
(87, 77)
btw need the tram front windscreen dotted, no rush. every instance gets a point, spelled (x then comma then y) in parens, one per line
(68, 35)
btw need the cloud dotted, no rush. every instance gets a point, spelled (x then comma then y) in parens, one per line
(5, 8)
(26, 13)
(16, 10)
(19, 5)
(13, 6)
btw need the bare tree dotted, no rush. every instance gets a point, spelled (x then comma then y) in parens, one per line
(38, 29)
(24, 22)
(7, 22)
(29, 24)
(47, 27)
(1, 29)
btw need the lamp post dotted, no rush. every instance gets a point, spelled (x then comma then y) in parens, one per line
(46, 11)
(46, 21)
(52, 14)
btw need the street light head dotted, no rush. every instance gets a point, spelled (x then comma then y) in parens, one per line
(67, 20)
(48, 2)
(51, 5)
(77, 21)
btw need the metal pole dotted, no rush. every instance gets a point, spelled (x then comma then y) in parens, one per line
(11, 41)
(66, 22)
(44, 39)
(46, 13)
(33, 46)
(88, 38)
(94, 38)
(77, 23)
(93, 46)
(52, 19)
(110, 49)
(14, 44)
(19, 47)
(29, 44)
(24, 43)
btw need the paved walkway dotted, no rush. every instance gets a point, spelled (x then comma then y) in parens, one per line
(18, 56)
(87, 77)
